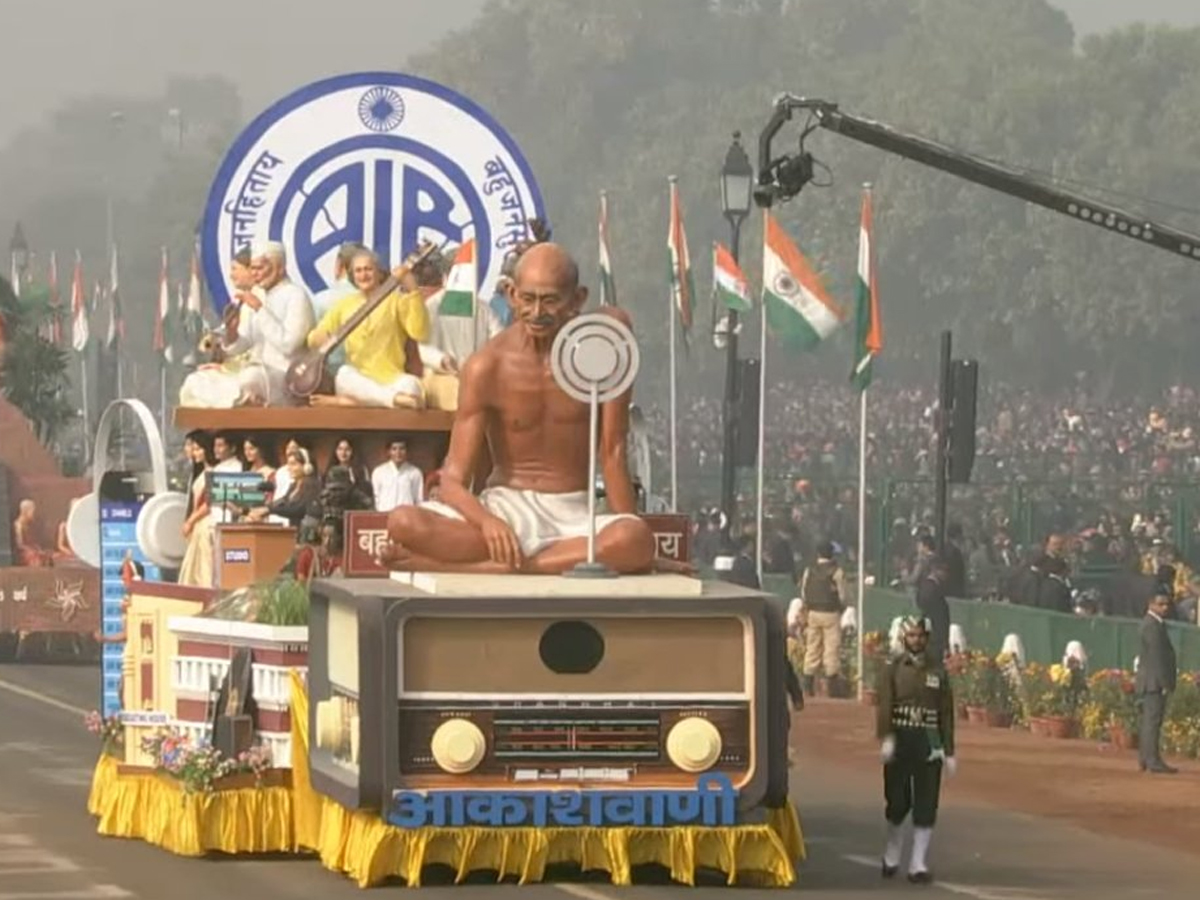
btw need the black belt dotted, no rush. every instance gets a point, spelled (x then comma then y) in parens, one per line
(914, 717)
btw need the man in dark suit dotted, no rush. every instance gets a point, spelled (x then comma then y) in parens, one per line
(931, 601)
(1155, 681)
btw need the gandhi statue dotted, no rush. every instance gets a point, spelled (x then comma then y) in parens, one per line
(533, 515)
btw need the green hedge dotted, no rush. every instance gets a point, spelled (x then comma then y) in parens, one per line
(1110, 643)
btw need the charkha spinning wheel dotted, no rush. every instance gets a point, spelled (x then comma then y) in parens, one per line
(594, 360)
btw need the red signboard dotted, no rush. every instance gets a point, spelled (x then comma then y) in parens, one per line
(365, 538)
(672, 535)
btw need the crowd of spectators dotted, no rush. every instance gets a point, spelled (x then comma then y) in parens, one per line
(1117, 476)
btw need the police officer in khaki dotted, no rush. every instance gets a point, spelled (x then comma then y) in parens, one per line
(823, 595)
(915, 727)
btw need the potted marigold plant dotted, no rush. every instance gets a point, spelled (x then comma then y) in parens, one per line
(958, 668)
(1181, 728)
(986, 692)
(1112, 701)
(875, 646)
(1053, 696)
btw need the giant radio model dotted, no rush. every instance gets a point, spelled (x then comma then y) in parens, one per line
(625, 686)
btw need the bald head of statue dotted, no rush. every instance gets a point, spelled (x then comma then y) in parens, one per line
(545, 292)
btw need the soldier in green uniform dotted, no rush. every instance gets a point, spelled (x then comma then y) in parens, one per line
(915, 728)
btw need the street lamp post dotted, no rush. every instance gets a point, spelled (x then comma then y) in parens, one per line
(737, 180)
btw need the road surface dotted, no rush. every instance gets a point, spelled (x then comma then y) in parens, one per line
(49, 849)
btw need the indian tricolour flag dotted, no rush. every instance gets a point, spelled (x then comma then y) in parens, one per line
(681, 264)
(461, 284)
(868, 331)
(608, 285)
(798, 308)
(729, 283)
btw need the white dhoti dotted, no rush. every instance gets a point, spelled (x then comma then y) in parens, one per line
(266, 384)
(351, 383)
(210, 387)
(538, 520)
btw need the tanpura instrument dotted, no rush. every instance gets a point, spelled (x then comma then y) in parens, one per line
(305, 375)
(213, 343)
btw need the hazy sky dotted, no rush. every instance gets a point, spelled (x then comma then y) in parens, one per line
(57, 49)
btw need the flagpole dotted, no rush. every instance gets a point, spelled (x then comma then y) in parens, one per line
(87, 418)
(762, 437)
(162, 398)
(862, 527)
(674, 430)
(674, 435)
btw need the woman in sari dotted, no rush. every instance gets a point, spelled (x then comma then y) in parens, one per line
(197, 566)
(258, 456)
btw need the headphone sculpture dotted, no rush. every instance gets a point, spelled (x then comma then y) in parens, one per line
(160, 522)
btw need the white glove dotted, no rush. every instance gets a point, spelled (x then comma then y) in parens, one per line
(887, 749)
(938, 755)
(951, 766)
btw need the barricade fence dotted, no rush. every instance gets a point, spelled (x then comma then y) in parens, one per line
(1111, 643)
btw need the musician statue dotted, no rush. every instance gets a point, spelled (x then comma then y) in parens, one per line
(374, 373)
(533, 516)
(215, 385)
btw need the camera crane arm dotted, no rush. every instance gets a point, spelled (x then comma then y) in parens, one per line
(782, 178)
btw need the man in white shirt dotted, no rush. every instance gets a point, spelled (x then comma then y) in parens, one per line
(397, 482)
(225, 448)
(216, 385)
(280, 328)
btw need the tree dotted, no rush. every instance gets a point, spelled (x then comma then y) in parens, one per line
(33, 372)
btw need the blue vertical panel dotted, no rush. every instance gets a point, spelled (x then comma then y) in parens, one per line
(118, 535)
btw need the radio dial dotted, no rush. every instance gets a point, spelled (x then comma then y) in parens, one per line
(458, 746)
(694, 744)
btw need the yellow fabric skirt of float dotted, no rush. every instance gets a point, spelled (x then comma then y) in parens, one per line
(155, 809)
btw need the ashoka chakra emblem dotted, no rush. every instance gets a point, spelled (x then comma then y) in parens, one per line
(381, 109)
(785, 285)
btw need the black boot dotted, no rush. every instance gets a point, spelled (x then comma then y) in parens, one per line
(808, 683)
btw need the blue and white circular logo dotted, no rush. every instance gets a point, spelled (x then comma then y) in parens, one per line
(381, 158)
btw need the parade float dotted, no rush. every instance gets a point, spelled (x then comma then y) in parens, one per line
(49, 600)
(387, 721)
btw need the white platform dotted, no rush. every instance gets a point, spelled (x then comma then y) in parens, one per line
(460, 585)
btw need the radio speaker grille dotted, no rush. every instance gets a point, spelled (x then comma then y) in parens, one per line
(639, 655)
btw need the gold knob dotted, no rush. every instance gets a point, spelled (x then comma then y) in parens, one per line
(458, 746)
(694, 744)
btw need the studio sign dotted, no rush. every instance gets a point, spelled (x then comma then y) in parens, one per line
(712, 803)
(379, 158)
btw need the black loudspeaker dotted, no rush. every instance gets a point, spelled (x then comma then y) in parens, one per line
(6, 520)
(747, 412)
(964, 385)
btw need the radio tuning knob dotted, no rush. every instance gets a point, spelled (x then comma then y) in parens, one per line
(694, 744)
(458, 746)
